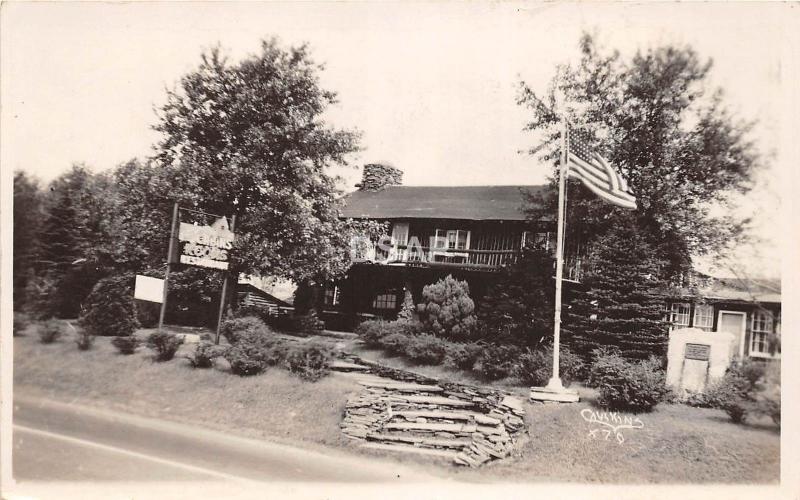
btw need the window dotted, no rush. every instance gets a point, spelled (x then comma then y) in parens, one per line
(451, 239)
(400, 233)
(332, 296)
(385, 301)
(760, 331)
(679, 315)
(704, 317)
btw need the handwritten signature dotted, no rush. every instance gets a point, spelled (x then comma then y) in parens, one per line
(613, 422)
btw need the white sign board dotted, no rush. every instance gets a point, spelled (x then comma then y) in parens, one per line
(205, 246)
(149, 289)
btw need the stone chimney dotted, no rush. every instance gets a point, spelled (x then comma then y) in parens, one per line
(377, 176)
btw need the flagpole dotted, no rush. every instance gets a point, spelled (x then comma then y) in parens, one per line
(555, 382)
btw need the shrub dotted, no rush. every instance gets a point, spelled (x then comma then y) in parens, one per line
(308, 324)
(395, 343)
(50, 331)
(204, 355)
(536, 367)
(426, 349)
(310, 361)
(740, 392)
(498, 361)
(110, 309)
(234, 328)
(147, 313)
(164, 344)
(372, 331)
(631, 386)
(254, 351)
(125, 345)
(463, 356)
(84, 340)
(447, 309)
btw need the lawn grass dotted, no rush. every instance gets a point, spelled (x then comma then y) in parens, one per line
(678, 444)
(275, 404)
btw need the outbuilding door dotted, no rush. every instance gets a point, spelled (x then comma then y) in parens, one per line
(734, 322)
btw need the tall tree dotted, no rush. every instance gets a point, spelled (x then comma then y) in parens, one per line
(248, 138)
(74, 236)
(518, 307)
(656, 119)
(620, 304)
(27, 220)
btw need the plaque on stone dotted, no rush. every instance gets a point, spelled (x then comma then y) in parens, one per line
(697, 351)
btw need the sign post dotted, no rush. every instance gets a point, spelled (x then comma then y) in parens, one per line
(201, 245)
(169, 264)
(223, 296)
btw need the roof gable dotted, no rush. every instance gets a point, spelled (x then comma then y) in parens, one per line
(440, 202)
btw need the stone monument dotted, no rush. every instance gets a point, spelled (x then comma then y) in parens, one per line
(696, 358)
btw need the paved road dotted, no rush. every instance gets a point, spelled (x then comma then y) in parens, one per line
(57, 441)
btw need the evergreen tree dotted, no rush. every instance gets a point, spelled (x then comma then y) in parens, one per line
(518, 306)
(27, 221)
(620, 304)
(73, 238)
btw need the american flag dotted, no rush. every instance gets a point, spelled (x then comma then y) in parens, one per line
(596, 173)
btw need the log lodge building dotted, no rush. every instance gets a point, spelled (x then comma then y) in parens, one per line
(469, 232)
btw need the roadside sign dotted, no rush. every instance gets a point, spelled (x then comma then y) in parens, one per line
(149, 289)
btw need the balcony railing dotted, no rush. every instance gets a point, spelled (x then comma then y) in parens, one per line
(449, 257)
(421, 255)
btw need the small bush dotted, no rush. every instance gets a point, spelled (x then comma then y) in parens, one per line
(84, 340)
(426, 349)
(204, 355)
(447, 309)
(50, 331)
(309, 323)
(536, 367)
(164, 344)
(372, 331)
(125, 345)
(395, 343)
(110, 308)
(235, 328)
(745, 390)
(630, 386)
(463, 356)
(498, 361)
(310, 361)
(254, 351)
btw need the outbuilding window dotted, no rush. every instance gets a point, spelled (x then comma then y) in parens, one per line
(760, 330)
(679, 314)
(704, 317)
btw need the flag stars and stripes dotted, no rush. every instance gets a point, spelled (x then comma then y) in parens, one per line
(597, 174)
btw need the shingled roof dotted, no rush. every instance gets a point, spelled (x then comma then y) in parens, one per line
(440, 202)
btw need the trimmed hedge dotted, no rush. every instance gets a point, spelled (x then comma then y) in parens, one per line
(205, 353)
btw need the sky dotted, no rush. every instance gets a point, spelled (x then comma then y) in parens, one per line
(432, 86)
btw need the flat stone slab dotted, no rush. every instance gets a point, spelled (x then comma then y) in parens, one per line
(545, 394)
(347, 366)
